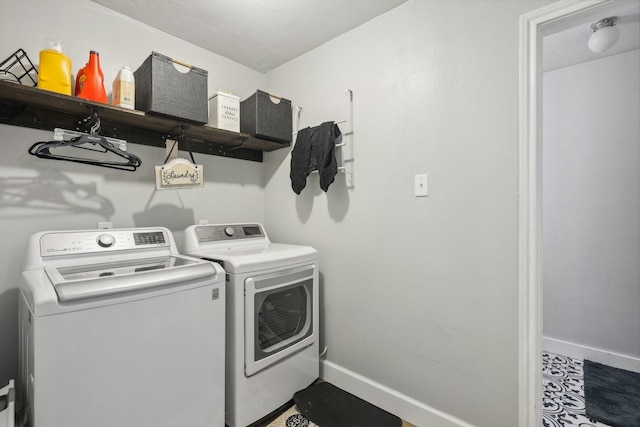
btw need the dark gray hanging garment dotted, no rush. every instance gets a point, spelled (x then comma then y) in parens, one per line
(315, 150)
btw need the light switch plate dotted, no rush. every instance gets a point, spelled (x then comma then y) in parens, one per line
(421, 185)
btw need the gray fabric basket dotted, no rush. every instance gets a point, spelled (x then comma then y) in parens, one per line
(162, 89)
(261, 117)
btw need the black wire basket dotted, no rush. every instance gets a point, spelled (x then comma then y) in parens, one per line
(19, 68)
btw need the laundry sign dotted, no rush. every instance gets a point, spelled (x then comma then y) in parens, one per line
(179, 173)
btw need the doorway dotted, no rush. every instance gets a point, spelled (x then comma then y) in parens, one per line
(533, 27)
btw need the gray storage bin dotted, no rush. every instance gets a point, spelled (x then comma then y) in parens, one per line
(266, 119)
(162, 89)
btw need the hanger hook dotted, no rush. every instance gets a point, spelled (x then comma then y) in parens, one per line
(91, 123)
(179, 135)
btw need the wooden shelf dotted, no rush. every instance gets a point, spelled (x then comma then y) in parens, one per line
(35, 108)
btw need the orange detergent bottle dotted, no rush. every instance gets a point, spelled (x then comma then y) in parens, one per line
(90, 80)
(54, 73)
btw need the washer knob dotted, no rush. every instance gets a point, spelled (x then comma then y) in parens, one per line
(229, 231)
(106, 240)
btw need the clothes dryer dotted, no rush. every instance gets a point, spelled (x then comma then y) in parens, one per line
(118, 329)
(272, 316)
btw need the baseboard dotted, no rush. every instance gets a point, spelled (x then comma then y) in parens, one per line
(579, 351)
(403, 406)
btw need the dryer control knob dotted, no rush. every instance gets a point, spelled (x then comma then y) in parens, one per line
(106, 240)
(229, 231)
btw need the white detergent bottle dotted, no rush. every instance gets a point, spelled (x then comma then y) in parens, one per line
(124, 89)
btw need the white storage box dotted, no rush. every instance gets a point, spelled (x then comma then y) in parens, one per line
(7, 406)
(224, 111)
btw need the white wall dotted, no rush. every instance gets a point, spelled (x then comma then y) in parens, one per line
(33, 190)
(420, 294)
(591, 205)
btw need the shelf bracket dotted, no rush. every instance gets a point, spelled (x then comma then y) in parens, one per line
(178, 135)
(235, 147)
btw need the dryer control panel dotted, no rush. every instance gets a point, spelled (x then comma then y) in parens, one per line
(82, 242)
(222, 232)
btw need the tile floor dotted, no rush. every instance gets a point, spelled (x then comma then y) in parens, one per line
(563, 396)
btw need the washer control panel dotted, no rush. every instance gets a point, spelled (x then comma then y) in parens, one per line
(80, 242)
(216, 233)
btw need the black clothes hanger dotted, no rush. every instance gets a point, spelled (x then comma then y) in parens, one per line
(94, 143)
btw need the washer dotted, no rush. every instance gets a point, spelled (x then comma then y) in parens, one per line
(118, 329)
(272, 316)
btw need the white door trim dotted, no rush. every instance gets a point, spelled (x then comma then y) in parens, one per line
(532, 28)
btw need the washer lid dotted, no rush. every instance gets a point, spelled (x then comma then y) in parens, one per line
(80, 282)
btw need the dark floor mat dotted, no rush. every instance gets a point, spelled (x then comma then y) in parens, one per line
(612, 395)
(329, 406)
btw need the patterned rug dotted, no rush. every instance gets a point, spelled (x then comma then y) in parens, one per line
(563, 395)
(292, 418)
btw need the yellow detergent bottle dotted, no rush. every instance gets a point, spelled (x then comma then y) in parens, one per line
(54, 73)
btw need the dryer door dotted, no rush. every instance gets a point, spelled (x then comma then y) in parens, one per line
(278, 316)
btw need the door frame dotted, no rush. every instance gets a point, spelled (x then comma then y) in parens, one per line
(533, 26)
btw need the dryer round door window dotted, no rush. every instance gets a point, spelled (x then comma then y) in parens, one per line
(278, 317)
(282, 315)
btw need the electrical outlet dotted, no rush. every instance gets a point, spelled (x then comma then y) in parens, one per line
(421, 185)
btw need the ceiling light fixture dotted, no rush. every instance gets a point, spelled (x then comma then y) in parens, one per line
(605, 35)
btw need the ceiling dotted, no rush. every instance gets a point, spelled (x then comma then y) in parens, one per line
(259, 34)
(568, 46)
(265, 34)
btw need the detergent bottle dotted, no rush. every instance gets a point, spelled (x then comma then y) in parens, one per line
(90, 80)
(54, 73)
(124, 89)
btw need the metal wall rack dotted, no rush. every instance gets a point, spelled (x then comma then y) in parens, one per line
(347, 138)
